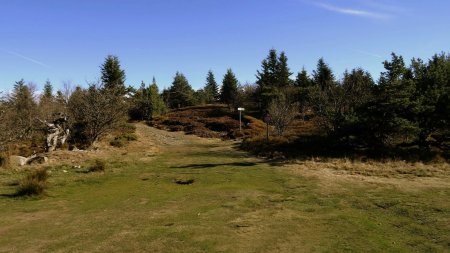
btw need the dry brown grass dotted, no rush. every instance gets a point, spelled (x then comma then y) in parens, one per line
(211, 121)
(372, 168)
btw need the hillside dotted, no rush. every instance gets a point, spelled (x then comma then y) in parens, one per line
(212, 121)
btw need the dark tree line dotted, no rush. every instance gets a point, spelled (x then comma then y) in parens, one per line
(408, 105)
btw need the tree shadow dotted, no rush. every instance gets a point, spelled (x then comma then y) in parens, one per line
(9, 195)
(213, 165)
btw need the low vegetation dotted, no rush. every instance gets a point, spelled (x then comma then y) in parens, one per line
(124, 135)
(211, 121)
(34, 184)
(234, 203)
(98, 166)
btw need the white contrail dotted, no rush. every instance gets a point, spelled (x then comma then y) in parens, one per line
(353, 12)
(26, 58)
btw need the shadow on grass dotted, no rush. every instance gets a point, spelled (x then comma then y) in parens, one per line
(10, 195)
(213, 165)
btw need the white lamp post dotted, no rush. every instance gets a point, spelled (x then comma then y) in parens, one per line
(240, 109)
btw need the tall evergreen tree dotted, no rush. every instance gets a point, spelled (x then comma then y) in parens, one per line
(267, 79)
(283, 73)
(157, 103)
(113, 76)
(303, 83)
(22, 103)
(323, 76)
(180, 94)
(211, 90)
(48, 90)
(433, 93)
(229, 91)
(392, 115)
(303, 80)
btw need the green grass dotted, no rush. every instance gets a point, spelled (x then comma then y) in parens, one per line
(235, 204)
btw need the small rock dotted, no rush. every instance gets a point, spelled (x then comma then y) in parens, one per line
(18, 160)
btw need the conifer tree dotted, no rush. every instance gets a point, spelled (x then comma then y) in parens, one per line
(303, 83)
(211, 90)
(392, 115)
(157, 103)
(267, 79)
(180, 94)
(323, 76)
(21, 101)
(283, 73)
(112, 75)
(229, 91)
(303, 80)
(48, 90)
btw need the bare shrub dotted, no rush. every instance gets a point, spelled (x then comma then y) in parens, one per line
(282, 112)
(95, 112)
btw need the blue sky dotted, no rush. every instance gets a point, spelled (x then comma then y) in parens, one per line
(67, 41)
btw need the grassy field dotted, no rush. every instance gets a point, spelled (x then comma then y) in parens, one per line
(236, 203)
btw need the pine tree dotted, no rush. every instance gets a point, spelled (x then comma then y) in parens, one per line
(391, 116)
(47, 103)
(211, 90)
(113, 77)
(229, 91)
(303, 83)
(267, 79)
(180, 94)
(323, 76)
(157, 103)
(22, 103)
(48, 90)
(303, 80)
(283, 73)
(433, 93)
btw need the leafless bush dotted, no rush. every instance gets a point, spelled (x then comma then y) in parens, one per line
(95, 112)
(282, 112)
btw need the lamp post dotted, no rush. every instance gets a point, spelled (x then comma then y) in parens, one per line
(240, 109)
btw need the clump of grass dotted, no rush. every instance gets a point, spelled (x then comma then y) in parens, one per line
(123, 139)
(33, 184)
(98, 166)
(3, 160)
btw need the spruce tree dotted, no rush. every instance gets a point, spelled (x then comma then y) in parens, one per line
(48, 90)
(303, 83)
(22, 103)
(211, 90)
(391, 118)
(180, 94)
(157, 104)
(267, 79)
(303, 80)
(323, 76)
(229, 91)
(283, 73)
(113, 77)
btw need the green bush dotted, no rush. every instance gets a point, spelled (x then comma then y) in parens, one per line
(33, 184)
